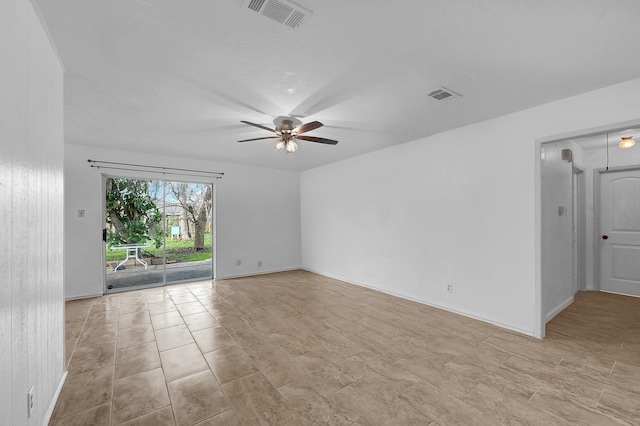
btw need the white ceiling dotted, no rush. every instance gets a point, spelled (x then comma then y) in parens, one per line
(176, 77)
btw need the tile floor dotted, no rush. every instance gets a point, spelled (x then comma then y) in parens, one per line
(296, 348)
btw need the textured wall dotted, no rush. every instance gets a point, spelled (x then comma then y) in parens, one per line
(31, 204)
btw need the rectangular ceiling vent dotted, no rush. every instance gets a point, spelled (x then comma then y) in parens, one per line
(443, 93)
(287, 13)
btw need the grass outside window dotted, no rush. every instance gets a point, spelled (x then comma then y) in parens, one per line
(177, 250)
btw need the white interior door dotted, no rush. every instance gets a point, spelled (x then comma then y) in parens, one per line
(620, 232)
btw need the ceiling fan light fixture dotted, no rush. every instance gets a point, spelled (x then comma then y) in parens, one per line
(627, 142)
(287, 130)
(290, 146)
(279, 145)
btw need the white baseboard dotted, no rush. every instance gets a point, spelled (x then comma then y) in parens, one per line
(555, 311)
(86, 296)
(256, 273)
(530, 333)
(52, 406)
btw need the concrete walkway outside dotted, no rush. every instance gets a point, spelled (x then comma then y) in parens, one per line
(132, 276)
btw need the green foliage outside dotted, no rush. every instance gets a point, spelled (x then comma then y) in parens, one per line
(132, 213)
(180, 251)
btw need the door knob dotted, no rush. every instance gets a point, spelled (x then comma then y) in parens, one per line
(605, 237)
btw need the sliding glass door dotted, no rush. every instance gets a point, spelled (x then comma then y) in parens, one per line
(188, 219)
(156, 232)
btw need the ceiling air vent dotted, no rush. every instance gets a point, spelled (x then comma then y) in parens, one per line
(443, 93)
(287, 13)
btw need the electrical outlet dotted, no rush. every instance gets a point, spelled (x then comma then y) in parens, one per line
(81, 213)
(29, 402)
(449, 288)
(238, 262)
(259, 263)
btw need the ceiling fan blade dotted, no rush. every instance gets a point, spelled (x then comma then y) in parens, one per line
(316, 139)
(258, 125)
(304, 128)
(257, 139)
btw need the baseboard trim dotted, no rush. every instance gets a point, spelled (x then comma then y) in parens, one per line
(619, 294)
(87, 296)
(52, 406)
(530, 333)
(255, 274)
(549, 316)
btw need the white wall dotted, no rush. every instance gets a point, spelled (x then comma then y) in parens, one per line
(557, 229)
(31, 202)
(458, 207)
(257, 216)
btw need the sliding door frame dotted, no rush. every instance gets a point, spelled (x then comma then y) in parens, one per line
(162, 179)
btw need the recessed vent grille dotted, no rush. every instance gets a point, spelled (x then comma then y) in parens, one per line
(443, 93)
(285, 12)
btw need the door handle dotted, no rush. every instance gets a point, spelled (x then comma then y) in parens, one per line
(104, 235)
(605, 237)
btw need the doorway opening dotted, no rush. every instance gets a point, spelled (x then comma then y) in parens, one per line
(157, 232)
(569, 208)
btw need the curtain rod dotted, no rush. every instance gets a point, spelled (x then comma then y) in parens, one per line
(151, 169)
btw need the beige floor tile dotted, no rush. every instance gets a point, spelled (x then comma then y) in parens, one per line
(136, 359)
(92, 355)
(293, 347)
(275, 364)
(134, 318)
(158, 297)
(172, 337)
(133, 306)
(507, 409)
(220, 308)
(230, 363)
(97, 416)
(84, 391)
(213, 338)
(226, 418)
(196, 398)
(371, 404)
(345, 327)
(183, 297)
(182, 361)
(167, 319)
(311, 402)
(291, 340)
(104, 317)
(567, 409)
(443, 407)
(162, 307)
(135, 335)
(329, 375)
(94, 332)
(256, 401)
(161, 417)
(621, 404)
(137, 395)
(190, 308)
(233, 321)
(200, 321)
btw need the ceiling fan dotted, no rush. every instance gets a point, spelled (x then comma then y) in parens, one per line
(287, 133)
